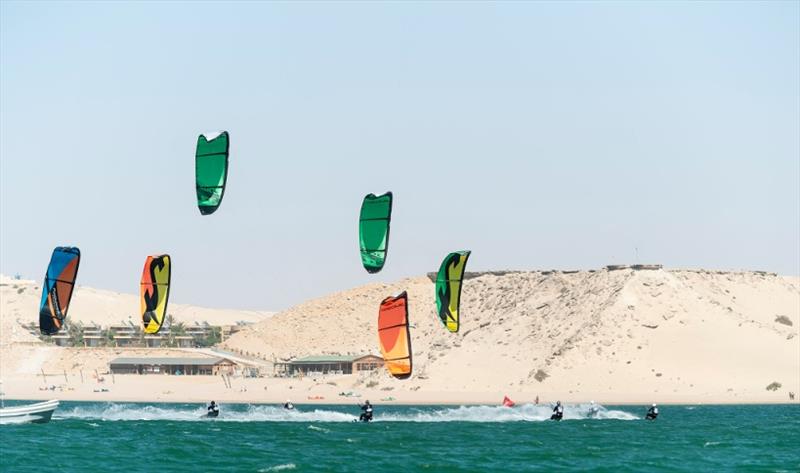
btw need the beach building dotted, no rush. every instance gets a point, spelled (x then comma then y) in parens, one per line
(184, 341)
(169, 365)
(129, 334)
(124, 329)
(92, 340)
(125, 334)
(198, 330)
(61, 339)
(367, 363)
(125, 340)
(92, 335)
(329, 364)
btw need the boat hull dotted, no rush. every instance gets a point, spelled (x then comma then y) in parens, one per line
(38, 413)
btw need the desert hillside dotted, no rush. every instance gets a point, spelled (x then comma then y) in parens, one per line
(614, 336)
(609, 334)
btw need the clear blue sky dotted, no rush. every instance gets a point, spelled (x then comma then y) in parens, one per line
(538, 135)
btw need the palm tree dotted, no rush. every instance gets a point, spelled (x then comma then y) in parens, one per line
(178, 329)
(175, 329)
(214, 336)
(75, 332)
(110, 333)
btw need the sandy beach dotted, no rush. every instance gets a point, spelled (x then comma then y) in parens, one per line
(616, 337)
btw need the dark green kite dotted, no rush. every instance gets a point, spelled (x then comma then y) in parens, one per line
(211, 170)
(373, 230)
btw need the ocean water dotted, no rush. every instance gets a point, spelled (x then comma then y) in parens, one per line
(95, 437)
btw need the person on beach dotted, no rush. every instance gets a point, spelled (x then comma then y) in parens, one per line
(213, 409)
(558, 412)
(366, 415)
(652, 413)
(288, 405)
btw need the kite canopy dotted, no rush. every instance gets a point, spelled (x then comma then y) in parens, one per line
(394, 335)
(154, 291)
(373, 230)
(59, 282)
(211, 170)
(448, 289)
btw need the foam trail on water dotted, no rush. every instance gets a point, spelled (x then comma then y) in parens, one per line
(525, 412)
(18, 420)
(584, 411)
(261, 413)
(130, 412)
(285, 466)
(279, 414)
(133, 412)
(471, 414)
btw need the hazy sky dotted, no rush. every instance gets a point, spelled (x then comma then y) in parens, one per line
(538, 135)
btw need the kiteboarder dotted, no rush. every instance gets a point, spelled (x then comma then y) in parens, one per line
(558, 412)
(213, 409)
(366, 416)
(652, 413)
(593, 409)
(288, 405)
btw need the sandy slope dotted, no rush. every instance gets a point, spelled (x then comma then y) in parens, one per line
(611, 335)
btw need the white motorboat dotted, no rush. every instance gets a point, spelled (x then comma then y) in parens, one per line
(38, 413)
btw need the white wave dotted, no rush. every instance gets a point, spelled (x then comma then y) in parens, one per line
(133, 412)
(279, 414)
(471, 414)
(524, 412)
(18, 420)
(110, 412)
(264, 413)
(285, 466)
(594, 412)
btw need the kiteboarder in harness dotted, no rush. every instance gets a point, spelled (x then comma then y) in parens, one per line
(366, 416)
(593, 409)
(288, 406)
(213, 410)
(652, 413)
(558, 412)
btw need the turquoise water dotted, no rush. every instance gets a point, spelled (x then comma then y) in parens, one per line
(91, 437)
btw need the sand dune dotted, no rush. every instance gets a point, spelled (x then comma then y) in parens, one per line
(612, 335)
